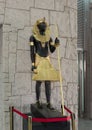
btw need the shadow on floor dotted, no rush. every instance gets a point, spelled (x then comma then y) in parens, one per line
(85, 124)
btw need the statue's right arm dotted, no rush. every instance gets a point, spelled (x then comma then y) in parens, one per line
(32, 50)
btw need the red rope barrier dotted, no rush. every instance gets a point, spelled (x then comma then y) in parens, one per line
(51, 119)
(67, 110)
(43, 119)
(21, 114)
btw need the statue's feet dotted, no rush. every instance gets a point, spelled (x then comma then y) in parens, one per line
(39, 105)
(49, 106)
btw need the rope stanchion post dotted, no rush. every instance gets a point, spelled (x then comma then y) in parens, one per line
(73, 121)
(11, 118)
(29, 123)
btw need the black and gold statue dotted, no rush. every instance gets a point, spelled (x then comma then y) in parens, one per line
(40, 45)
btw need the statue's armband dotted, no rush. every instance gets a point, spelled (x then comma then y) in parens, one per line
(52, 43)
(31, 43)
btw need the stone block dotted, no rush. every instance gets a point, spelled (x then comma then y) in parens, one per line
(60, 5)
(12, 42)
(5, 67)
(52, 31)
(17, 18)
(23, 61)
(7, 121)
(66, 66)
(11, 77)
(5, 77)
(73, 22)
(5, 37)
(70, 93)
(71, 49)
(1, 110)
(5, 48)
(1, 121)
(22, 84)
(62, 22)
(33, 83)
(44, 4)
(75, 71)
(12, 101)
(12, 63)
(7, 89)
(7, 126)
(26, 101)
(54, 63)
(17, 4)
(1, 118)
(23, 38)
(75, 94)
(12, 47)
(38, 14)
(56, 84)
(6, 28)
(13, 36)
(62, 47)
(72, 4)
(56, 97)
(1, 19)
(0, 55)
(64, 88)
(2, 5)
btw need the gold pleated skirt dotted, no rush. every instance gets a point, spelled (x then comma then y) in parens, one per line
(45, 71)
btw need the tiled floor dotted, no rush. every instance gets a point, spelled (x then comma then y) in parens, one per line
(85, 124)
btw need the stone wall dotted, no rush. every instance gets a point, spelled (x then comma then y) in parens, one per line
(1, 84)
(17, 18)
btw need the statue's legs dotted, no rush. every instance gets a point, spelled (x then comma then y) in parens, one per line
(38, 89)
(48, 90)
(48, 94)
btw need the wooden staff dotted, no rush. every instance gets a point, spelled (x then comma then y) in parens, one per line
(59, 65)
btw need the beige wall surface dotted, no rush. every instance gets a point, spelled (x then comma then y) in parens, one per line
(17, 18)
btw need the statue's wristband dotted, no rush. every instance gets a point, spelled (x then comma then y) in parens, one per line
(33, 67)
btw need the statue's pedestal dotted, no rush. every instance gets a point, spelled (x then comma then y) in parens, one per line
(46, 113)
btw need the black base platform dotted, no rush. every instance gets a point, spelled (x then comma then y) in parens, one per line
(46, 113)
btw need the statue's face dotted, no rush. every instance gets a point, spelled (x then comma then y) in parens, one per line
(42, 28)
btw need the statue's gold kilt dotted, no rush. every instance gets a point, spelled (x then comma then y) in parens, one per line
(45, 71)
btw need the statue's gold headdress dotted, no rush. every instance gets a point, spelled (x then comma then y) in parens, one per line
(36, 33)
(41, 20)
